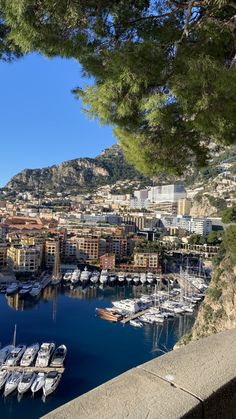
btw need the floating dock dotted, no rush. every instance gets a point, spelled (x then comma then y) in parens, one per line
(134, 316)
(32, 369)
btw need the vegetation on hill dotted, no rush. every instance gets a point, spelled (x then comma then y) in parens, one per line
(77, 176)
(218, 312)
(161, 69)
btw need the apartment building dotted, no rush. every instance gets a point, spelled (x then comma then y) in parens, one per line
(146, 260)
(3, 255)
(24, 258)
(91, 248)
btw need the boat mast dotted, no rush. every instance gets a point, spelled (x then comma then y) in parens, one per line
(56, 273)
(14, 336)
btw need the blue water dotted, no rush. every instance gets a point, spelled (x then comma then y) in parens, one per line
(97, 350)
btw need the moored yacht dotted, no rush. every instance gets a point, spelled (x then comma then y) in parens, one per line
(95, 277)
(135, 323)
(85, 275)
(129, 279)
(15, 355)
(4, 352)
(29, 355)
(136, 279)
(38, 382)
(104, 276)
(75, 277)
(59, 356)
(150, 277)
(67, 276)
(36, 290)
(4, 375)
(44, 354)
(143, 278)
(12, 289)
(25, 290)
(112, 278)
(12, 383)
(51, 382)
(26, 382)
(121, 278)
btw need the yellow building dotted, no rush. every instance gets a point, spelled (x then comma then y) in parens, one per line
(24, 258)
(184, 206)
(50, 249)
(3, 255)
(146, 260)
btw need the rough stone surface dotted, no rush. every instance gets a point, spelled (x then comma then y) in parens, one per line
(136, 394)
(196, 381)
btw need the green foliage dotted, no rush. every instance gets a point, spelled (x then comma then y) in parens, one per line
(213, 238)
(196, 239)
(163, 71)
(229, 215)
(229, 239)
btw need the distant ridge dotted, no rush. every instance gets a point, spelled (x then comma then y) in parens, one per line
(78, 175)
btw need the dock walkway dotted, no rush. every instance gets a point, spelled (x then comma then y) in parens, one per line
(134, 316)
(32, 369)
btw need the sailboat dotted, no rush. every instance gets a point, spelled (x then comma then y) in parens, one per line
(56, 273)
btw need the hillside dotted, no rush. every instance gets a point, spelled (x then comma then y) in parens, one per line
(77, 176)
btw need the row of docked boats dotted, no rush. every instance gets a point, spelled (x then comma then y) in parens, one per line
(155, 308)
(29, 381)
(33, 289)
(104, 277)
(34, 355)
(22, 368)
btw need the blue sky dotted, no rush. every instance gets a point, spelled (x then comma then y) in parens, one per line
(41, 122)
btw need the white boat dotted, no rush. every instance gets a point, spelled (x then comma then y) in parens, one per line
(4, 352)
(150, 277)
(4, 375)
(129, 279)
(44, 354)
(26, 382)
(29, 355)
(12, 289)
(121, 278)
(143, 278)
(67, 276)
(112, 278)
(51, 382)
(25, 290)
(12, 383)
(38, 382)
(95, 277)
(59, 356)
(135, 323)
(136, 279)
(36, 290)
(75, 276)
(104, 276)
(15, 355)
(85, 275)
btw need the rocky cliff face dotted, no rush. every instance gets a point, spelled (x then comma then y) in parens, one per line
(218, 311)
(203, 208)
(76, 176)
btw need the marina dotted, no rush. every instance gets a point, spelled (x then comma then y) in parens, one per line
(95, 352)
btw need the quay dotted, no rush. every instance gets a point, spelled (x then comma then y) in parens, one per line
(32, 369)
(134, 316)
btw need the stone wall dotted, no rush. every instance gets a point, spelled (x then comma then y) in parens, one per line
(195, 381)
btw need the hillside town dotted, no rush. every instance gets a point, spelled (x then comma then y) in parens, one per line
(119, 232)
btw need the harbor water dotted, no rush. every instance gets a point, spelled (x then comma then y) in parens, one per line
(97, 350)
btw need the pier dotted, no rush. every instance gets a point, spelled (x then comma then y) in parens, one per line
(32, 369)
(134, 316)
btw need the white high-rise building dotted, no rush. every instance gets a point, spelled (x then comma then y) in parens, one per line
(167, 193)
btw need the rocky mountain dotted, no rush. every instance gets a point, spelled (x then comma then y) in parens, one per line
(77, 176)
(218, 311)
